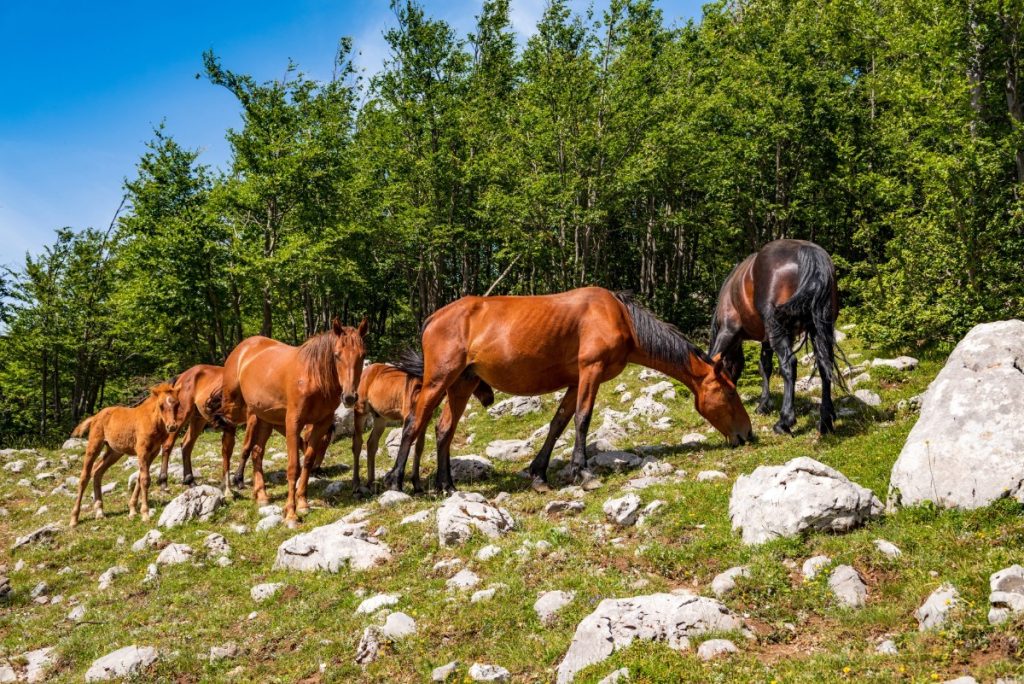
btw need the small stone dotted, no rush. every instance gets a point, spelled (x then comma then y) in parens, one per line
(464, 579)
(121, 664)
(444, 672)
(711, 475)
(715, 648)
(269, 510)
(418, 517)
(397, 626)
(149, 540)
(174, 554)
(936, 608)
(369, 646)
(887, 647)
(40, 534)
(479, 672)
(619, 676)
(554, 508)
(622, 511)
(447, 564)
(725, 582)
(901, 363)
(152, 572)
(217, 545)
(269, 522)
(238, 528)
(868, 397)
(39, 590)
(391, 498)
(262, 592)
(848, 587)
(76, 614)
(488, 552)
(550, 603)
(483, 595)
(375, 603)
(228, 650)
(887, 548)
(108, 575)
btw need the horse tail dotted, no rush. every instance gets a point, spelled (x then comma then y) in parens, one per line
(82, 428)
(814, 306)
(410, 361)
(215, 409)
(660, 340)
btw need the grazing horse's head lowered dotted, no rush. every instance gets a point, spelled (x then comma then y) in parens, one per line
(349, 353)
(717, 400)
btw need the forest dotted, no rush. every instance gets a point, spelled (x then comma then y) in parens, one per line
(613, 148)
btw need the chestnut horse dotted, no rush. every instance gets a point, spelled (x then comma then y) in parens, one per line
(772, 296)
(195, 386)
(388, 393)
(287, 387)
(533, 345)
(119, 430)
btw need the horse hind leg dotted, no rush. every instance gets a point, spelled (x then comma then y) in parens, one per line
(227, 446)
(764, 406)
(109, 458)
(782, 345)
(165, 459)
(91, 452)
(538, 469)
(822, 338)
(196, 425)
(589, 383)
(458, 396)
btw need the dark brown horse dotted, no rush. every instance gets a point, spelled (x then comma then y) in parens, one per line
(276, 385)
(786, 289)
(118, 430)
(533, 345)
(388, 393)
(195, 386)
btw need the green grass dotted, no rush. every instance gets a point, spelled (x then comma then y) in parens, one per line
(799, 632)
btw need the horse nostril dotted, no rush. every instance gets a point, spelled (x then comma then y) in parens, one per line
(350, 399)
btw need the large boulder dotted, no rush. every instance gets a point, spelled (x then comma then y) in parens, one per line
(965, 450)
(331, 547)
(471, 468)
(1007, 597)
(464, 512)
(802, 495)
(197, 503)
(671, 618)
(47, 531)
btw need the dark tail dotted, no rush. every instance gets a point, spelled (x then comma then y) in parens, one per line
(215, 409)
(658, 339)
(813, 306)
(410, 361)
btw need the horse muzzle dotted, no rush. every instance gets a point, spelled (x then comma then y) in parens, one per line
(349, 400)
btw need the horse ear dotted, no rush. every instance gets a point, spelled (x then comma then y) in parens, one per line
(364, 326)
(336, 325)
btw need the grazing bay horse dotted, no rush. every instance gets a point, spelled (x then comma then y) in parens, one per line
(534, 345)
(787, 288)
(195, 387)
(275, 385)
(388, 393)
(119, 430)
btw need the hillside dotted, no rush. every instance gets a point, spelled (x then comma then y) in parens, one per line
(309, 629)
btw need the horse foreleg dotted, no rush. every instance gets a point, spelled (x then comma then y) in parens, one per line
(764, 406)
(261, 433)
(372, 444)
(165, 459)
(147, 454)
(417, 456)
(247, 443)
(227, 446)
(589, 383)
(109, 458)
(292, 440)
(196, 424)
(314, 444)
(539, 466)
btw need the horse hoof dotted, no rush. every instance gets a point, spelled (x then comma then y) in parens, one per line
(262, 501)
(302, 510)
(590, 482)
(763, 410)
(781, 429)
(131, 514)
(362, 492)
(99, 515)
(540, 486)
(145, 517)
(291, 523)
(73, 522)
(164, 489)
(188, 480)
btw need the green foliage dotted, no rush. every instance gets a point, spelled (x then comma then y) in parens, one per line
(610, 149)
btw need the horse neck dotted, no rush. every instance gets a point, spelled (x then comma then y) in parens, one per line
(691, 377)
(319, 368)
(150, 411)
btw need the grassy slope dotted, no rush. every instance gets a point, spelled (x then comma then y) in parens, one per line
(801, 634)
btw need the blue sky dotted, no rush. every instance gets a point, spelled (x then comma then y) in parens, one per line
(86, 82)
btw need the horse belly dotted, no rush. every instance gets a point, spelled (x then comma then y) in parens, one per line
(526, 379)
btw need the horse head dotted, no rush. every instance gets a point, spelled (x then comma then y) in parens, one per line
(349, 353)
(171, 410)
(717, 400)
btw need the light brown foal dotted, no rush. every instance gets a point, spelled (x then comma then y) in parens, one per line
(119, 430)
(277, 385)
(195, 386)
(388, 393)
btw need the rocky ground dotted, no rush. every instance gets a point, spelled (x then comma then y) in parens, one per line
(691, 562)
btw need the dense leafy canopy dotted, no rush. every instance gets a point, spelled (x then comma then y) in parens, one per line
(613, 150)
